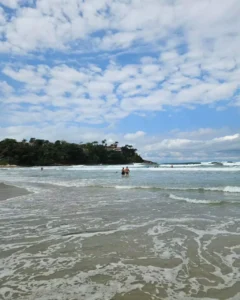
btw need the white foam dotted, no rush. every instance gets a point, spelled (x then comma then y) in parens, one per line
(158, 229)
(191, 169)
(23, 182)
(105, 167)
(124, 187)
(131, 187)
(197, 201)
(226, 189)
(237, 164)
(203, 167)
(119, 278)
(179, 165)
(206, 163)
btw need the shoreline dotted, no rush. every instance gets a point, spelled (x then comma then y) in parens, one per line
(8, 166)
(16, 166)
(8, 191)
(66, 165)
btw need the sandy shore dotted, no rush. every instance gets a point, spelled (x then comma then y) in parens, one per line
(8, 166)
(10, 191)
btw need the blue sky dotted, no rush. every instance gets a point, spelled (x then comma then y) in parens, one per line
(161, 75)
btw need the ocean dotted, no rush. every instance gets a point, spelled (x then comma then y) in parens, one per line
(86, 232)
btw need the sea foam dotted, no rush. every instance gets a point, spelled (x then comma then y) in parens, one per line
(196, 201)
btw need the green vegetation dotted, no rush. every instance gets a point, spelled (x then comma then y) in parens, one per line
(39, 152)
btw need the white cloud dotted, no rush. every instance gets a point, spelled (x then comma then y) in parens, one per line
(227, 138)
(121, 23)
(134, 136)
(173, 144)
(26, 75)
(201, 133)
(10, 3)
(5, 88)
(51, 132)
(2, 18)
(111, 93)
(99, 61)
(199, 147)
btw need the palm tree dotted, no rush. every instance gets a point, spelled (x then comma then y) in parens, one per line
(32, 141)
(104, 142)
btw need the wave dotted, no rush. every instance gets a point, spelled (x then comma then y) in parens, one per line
(92, 183)
(226, 189)
(131, 187)
(208, 167)
(196, 201)
(206, 164)
(86, 183)
(194, 168)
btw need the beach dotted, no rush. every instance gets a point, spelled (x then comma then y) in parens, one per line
(86, 232)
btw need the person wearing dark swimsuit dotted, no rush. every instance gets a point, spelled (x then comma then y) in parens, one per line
(123, 171)
(126, 171)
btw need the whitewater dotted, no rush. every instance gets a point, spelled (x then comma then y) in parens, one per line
(85, 232)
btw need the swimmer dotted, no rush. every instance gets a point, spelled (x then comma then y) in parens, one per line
(127, 171)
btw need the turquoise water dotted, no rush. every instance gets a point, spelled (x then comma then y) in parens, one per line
(89, 233)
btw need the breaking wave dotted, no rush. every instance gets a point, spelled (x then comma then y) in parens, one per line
(226, 189)
(93, 184)
(196, 201)
(203, 201)
(86, 183)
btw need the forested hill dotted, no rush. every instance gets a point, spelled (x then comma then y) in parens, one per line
(37, 152)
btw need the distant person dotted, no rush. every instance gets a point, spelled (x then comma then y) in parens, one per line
(123, 171)
(127, 171)
(41, 168)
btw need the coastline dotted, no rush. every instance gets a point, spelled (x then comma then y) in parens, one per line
(147, 162)
(8, 166)
(11, 191)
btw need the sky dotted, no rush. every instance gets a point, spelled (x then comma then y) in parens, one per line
(161, 75)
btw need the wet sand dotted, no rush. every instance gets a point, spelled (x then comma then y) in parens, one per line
(10, 191)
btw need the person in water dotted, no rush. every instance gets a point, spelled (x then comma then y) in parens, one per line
(123, 171)
(127, 171)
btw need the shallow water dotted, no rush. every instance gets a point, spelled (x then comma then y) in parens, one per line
(9, 191)
(88, 233)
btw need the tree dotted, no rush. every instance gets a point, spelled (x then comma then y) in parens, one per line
(43, 152)
(104, 142)
(32, 141)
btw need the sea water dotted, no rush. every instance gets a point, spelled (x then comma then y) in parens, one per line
(86, 232)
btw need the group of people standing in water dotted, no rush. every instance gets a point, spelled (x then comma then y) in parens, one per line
(125, 171)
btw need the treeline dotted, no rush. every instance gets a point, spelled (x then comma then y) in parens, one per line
(38, 152)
